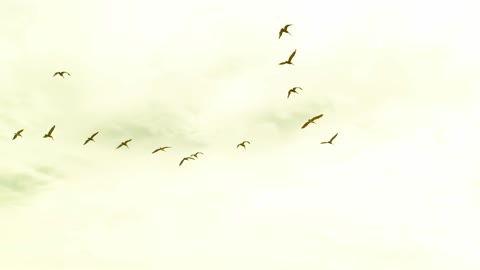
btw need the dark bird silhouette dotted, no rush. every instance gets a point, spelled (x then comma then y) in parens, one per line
(91, 138)
(18, 133)
(196, 154)
(293, 90)
(289, 61)
(331, 140)
(312, 120)
(284, 30)
(49, 134)
(160, 149)
(61, 73)
(184, 159)
(243, 144)
(124, 143)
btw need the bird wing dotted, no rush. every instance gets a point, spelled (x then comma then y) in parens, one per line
(334, 136)
(286, 27)
(56, 73)
(156, 150)
(67, 73)
(14, 136)
(298, 88)
(316, 117)
(166, 147)
(280, 33)
(120, 145)
(238, 145)
(94, 134)
(182, 162)
(247, 142)
(292, 55)
(127, 141)
(306, 124)
(282, 63)
(20, 131)
(289, 92)
(51, 130)
(323, 142)
(86, 141)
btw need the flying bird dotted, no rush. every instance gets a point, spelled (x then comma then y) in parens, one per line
(243, 144)
(124, 143)
(184, 159)
(49, 134)
(196, 154)
(18, 133)
(293, 90)
(331, 140)
(160, 149)
(312, 120)
(61, 73)
(284, 30)
(289, 61)
(91, 138)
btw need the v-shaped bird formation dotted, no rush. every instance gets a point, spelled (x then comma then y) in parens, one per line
(194, 156)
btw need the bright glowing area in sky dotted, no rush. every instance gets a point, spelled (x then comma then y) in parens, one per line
(398, 189)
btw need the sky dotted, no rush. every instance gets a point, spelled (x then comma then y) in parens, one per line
(397, 80)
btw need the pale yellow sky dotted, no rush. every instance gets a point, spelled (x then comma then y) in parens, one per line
(397, 80)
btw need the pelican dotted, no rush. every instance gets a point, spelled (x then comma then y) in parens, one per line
(49, 134)
(124, 143)
(331, 140)
(18, 133)
(61, 73)
(289, 61)
(284, 30)
(243, 144)
(312, 120)
(91, 138)
(293, 90)
(161, 149)
(196, 154)
(184, 159)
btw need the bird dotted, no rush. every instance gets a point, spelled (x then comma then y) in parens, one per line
(91, 138)
(284, 30)
(243, 144)
(331, 140)
(61, 73)
(49, 134)
(18, 133)
(184, 159)
(196, 154)
(312, 120)
(160, 149)
(124, 143)
(289, 61)
(293, 90)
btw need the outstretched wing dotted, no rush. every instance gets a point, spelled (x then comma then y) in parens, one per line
(67, 73)
(334, 136)
(86, 141)
(127, 141)
(120, 145)
(182, 161)
(286, 27)
(306, 124)
(94, 134)
(156, 150)
(51, 130)
(289, 92)
(292, 55)
(56, 73)
(280, 33)
(316, 117)
(246, 142)
(282, 63)
(298, 88)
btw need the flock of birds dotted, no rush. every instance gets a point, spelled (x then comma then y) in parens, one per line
(194, 156)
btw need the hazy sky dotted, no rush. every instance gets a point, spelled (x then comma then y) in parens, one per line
(398, 80)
